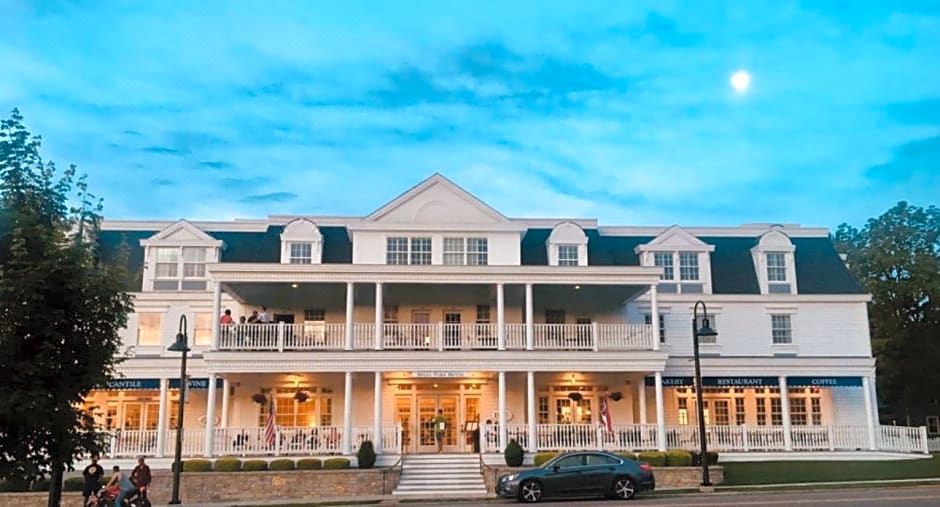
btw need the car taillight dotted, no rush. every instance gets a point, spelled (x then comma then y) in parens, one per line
(646, 467)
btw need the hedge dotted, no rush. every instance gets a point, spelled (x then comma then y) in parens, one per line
(335, 463)
(254, 465)
(654, 458)
(74, 484)
(697, 458)
(309, 464)
(197, 465)
(228, 465)
(543, 457)
(281, 465)
(627, 455)
(678, 458)
(39, 485)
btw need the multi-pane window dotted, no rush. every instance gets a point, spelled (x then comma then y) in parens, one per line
(816, 411)
(722, 415)
(776, 267)
(291, 412)
(688, 266)
(420, 251)
(648, 319)
(712, 323)
(664, 260)
(567, 255)
(483, 314)
(301, 253)
(194, 262)
(390, 314)
(769, 406)
(740, 416)
(781, 330)
(543, 414)
(683, 411)
(149, 328)
(202, 329)
(314, 315)
(933, 425)
(798, 411)
(396, 251)
(454, 251)
(167, 262)
(477, 251)
(776, 412)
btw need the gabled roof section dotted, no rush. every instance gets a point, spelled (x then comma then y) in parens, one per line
(183, 233)
(435, 200)
(675, 238)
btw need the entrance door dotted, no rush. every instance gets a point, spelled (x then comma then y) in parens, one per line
(428, 405)
(452, 330)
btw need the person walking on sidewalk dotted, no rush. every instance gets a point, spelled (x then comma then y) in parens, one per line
(92, 475)
(440, 427)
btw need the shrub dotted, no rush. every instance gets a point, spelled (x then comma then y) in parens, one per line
(10, 486)
(678, 458)
(254, 465)
(197, 465)
(656, 459)
(627, 455)
(514, 454)
(281, 464)
(697, 458)
(309, 464)
(543, 457)
(228, 465)
(39, 485)
(335, 463)
(366, 454)
(73, 484)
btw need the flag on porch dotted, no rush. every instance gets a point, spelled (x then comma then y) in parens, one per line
(605, 415)
(270, 426)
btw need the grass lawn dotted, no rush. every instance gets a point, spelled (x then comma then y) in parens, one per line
(784, 472)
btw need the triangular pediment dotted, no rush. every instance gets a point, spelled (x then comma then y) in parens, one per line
(676, 238)
(181, 232)
(436, 200)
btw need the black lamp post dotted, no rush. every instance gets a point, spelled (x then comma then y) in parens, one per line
(181, 345)
(705, 330)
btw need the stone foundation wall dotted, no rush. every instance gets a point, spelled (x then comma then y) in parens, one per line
(240, 486)
(666, 477)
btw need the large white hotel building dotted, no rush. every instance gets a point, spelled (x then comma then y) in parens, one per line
(436, 301)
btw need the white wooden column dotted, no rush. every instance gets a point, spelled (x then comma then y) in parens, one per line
(503, 430)
(529, 324)
(347, 414)
(377, 414)
(161, 417)
(226, 387)
(641, 397)
(660, 413)
(785, 413)
(216, 313)
(500, 317)
(866, 387)
(654, 315)
(210, 417)
(350, 306)
(379, 320)
(530, 411)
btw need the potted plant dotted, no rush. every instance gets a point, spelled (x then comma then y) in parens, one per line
(514, 454)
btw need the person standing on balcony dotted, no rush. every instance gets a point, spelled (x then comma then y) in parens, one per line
(226, 317)
(440, 426)
(253, 318)
(263, 317)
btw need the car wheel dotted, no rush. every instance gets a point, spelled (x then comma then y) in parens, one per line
(530, 491)
(624, 488)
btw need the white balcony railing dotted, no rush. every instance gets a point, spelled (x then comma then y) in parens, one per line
(437, 336)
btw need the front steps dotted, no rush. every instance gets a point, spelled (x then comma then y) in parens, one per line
(451, 475)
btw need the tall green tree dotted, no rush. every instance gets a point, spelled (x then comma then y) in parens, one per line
(61, 307)
(897, 257)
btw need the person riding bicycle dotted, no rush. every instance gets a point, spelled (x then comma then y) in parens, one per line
(123, 483)
(141, 479)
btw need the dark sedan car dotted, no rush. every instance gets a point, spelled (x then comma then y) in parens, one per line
(579, 474)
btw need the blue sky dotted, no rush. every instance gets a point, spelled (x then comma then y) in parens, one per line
(616, 110)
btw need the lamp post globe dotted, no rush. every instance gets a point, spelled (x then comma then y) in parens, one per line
(697, 332)
(181, 345)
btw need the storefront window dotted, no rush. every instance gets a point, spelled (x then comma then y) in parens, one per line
(290, 412)
(740, 416)
(543, 410)
(683, 411)
(798, 411)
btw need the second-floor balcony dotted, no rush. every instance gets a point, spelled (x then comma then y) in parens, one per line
(283, 337)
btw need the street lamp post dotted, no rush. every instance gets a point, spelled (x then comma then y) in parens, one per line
(181, 345)
(705, 330)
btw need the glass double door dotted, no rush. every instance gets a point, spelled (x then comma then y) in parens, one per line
(428, 405)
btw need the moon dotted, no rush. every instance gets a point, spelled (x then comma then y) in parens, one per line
(741, 81)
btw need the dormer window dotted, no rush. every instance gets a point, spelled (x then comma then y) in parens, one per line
(301, 243)
(774, 262)
(176, 258)
(567, 245)
(684, 259)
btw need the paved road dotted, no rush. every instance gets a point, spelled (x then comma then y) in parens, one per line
(914, 496)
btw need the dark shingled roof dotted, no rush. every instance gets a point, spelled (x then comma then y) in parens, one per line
(111, 243)
(819, 270)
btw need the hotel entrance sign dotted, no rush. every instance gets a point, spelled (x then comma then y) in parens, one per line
(439, 374)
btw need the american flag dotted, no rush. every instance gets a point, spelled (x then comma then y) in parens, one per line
(605, 415)
(270, 426)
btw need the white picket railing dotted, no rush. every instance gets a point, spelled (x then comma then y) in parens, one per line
(411, 336)
(624, 337)
(314, 336)
(363, 336)
(133, 443)
(633, 437)
(564, 336)
(933, 444)
(248, 337)
(515, 336)
(901, 439)
(194, 442)
(294, 441)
